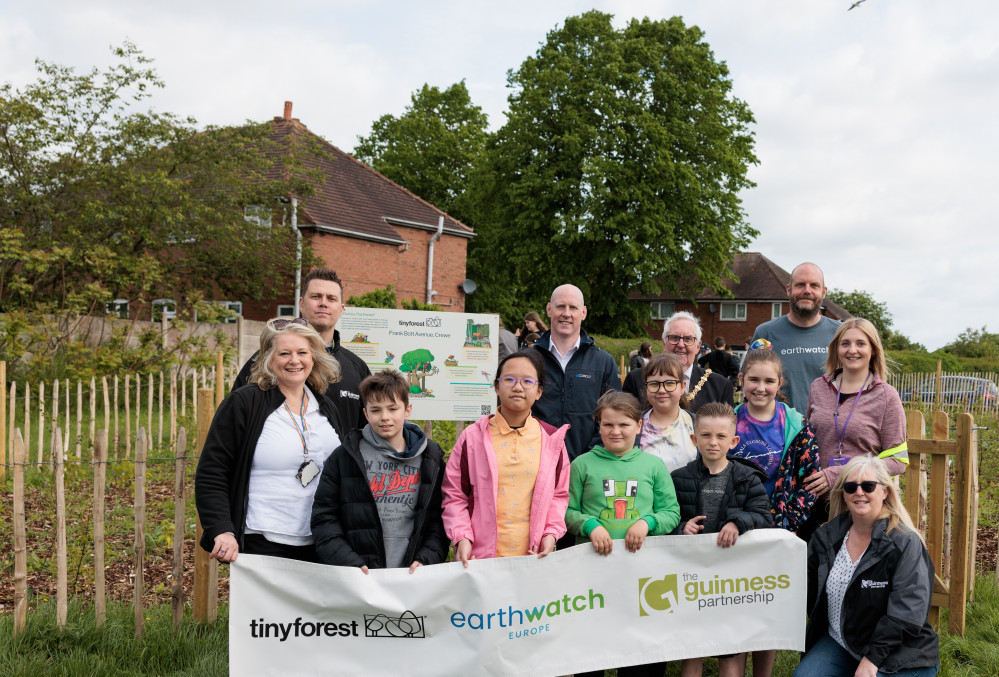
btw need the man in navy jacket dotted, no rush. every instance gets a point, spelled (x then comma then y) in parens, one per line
(577, 373)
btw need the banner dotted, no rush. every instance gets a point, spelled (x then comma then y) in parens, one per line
(449, 359)
(678, 597)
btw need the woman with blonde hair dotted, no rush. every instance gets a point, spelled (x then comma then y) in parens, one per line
(266, 446)
(854, 412)
(870, 584)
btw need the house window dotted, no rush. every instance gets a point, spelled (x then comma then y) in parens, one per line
(662, 310)
(286, 310)
(118, 308)
(235, 309)
(257, 215)
(735, 311)
(164, 308)
(230, 311)
(776, 312)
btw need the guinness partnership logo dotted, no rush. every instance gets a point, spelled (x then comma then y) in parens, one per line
(656, 595)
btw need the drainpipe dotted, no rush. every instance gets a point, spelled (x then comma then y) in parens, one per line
(298, 254)
(430, 259)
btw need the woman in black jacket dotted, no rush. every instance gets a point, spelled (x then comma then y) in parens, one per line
(870, 582)
(266, 447)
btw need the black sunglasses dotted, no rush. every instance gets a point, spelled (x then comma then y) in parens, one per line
(867, 485)
(279, 323)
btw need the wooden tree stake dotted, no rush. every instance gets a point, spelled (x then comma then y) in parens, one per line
(100, 474)
(177, 590)
(20, 543)
(60, 496)
(139, 547)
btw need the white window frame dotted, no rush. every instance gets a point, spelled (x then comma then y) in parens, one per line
(168, 308)
(775, 310)
(286, 310)
(656, 309)
(258, 215)
(736, 308)
(118, 308)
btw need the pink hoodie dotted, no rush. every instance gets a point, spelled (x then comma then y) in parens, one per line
(471, 486)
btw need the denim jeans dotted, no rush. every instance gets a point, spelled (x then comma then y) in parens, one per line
(829, 659)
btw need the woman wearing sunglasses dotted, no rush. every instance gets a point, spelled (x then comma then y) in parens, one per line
(266, 447)
(870, 582)
(506, 484)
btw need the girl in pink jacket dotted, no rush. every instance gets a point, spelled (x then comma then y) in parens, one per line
(506, 485)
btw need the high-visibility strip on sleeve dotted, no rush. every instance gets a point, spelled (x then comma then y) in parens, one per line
(899, 453)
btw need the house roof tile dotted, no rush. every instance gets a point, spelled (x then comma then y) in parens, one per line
(355, 200)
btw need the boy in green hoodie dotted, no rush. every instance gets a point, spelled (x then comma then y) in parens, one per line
(617, 490)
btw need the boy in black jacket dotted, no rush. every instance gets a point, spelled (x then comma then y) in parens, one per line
(378, 503)
(719, 493)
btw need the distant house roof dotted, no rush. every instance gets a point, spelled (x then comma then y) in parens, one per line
(760, 279)
(355, 200)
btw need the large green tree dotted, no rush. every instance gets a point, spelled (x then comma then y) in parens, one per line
(104, 199)
(619, 169)
(430, 148)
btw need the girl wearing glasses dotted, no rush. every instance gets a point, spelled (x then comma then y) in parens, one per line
(506, 485)
(667, 425)
(870, 583)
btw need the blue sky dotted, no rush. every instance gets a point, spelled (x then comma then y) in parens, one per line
(875, 127)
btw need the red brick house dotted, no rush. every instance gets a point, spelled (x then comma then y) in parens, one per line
(372, 232)
(759, 295)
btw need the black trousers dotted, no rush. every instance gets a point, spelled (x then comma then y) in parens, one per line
(256, 544)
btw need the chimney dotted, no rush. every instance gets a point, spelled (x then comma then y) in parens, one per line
(287, 110)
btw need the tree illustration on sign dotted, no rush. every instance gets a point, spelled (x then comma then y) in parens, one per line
(417, 365)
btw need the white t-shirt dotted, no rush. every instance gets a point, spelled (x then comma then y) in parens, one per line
(279, 507)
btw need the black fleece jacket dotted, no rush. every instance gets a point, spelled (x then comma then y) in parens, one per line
(746, 504)
(884, 613)
(345, 522)
(222, 480)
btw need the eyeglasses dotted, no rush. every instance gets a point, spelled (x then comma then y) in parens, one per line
(669, 385)
(867, 485)
(527, 383)
(673, 339)
(279, 323)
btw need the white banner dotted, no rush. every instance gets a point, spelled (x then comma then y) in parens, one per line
(678, 597)
(449, 358)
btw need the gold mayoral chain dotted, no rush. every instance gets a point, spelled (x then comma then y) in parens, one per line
(700, 384)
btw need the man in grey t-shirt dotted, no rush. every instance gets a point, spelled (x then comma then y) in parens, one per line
(801, 337)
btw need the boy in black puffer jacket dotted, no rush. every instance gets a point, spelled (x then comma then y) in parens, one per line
(378, 503)
(719, 493)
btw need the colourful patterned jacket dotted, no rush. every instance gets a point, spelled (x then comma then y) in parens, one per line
(789, 502)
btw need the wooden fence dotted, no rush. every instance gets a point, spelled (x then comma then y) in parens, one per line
(948, 514)
(120, 405)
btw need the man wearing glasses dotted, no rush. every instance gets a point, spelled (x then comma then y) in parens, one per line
(322, 305)
(577, 373)
(682, 338)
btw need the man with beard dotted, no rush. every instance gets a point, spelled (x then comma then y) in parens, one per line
(801, 337)
(682, 339)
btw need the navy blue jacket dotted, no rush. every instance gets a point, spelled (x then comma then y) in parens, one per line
(571, 396)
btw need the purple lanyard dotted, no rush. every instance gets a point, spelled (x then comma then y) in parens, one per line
(842, 436)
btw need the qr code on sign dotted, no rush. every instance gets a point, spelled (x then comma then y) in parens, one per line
(485, 409)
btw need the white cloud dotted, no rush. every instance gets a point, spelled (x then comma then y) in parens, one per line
(874, 127)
